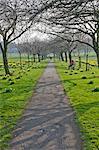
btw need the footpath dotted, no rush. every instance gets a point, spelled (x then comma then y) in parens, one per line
(48, 122)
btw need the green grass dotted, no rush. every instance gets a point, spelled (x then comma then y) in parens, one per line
(79, 86)
(14, 97)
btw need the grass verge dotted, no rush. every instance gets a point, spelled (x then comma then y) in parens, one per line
(82, 88)
(15, 92)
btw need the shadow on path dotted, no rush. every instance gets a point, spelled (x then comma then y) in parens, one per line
(48, 122)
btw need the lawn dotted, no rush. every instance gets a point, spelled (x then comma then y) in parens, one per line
(15, 92)
(82, 88)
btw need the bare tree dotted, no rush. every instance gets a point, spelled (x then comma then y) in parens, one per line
(16, 17)
(13, 23)
(74, 17)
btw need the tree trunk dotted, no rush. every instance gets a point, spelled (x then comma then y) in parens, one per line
(61, 54)
(70, 57)
(96, 46)
(5, 62)
(39, 57)
(32, 60)
(98, 41)
(97, 54)
(66, 56)
(79, 62)
(34, 57)
(87, 62)
(20, 59)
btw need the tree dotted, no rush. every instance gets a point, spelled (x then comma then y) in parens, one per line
(13, 23)
(16, 17)
(76, 17)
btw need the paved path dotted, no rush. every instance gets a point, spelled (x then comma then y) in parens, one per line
(48, 122)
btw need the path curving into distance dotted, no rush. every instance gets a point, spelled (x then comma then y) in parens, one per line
(48, 121)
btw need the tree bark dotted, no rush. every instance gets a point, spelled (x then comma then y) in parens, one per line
(79, 62)
(96, 46)
(4, 56)
(20, 59)
(39, 57)
(87, 62)
(97, 54)
(70, 57)
(61, 54)
(5, 62)
(34, 57)
(66, 56)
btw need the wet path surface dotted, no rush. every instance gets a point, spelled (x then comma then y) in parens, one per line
(48, 122)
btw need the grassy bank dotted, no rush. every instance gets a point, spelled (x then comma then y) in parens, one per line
(82, 88)
(15, 92)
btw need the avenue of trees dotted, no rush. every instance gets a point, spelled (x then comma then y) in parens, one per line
(76, 18)
(72, 21)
